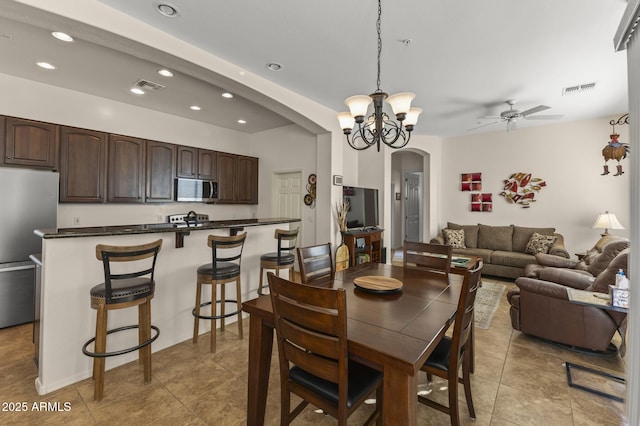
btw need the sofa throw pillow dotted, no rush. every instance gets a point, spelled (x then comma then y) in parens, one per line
(470, 233)
(454, 237)
(522, 235)
(539, 243)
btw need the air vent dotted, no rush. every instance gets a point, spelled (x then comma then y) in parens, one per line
(572, 90)
(148, 85)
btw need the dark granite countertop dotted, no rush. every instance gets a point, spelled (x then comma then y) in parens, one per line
(98, 231)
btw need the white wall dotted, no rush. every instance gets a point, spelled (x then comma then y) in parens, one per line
(286, 149)
(567, 156)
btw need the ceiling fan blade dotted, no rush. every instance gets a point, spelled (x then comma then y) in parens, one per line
(545, 117)
(489, 117)
(484, 125)
(534, 110)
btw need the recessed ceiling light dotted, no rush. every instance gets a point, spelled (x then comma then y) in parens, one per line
(241, 121)
(227, 95)
(46, 65)
(137, 91)
(62, 36)
(274, 67)
(165, 73)
(167, 9)
(195, 107)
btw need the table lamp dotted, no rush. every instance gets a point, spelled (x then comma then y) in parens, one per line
(605, 221)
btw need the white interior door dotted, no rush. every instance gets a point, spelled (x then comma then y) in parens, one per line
(413, 206)
(288, 196)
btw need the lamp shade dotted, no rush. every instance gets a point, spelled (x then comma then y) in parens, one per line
(401, 102)
(412, 116)
(607, 221)
(358, 105)
(346, 120)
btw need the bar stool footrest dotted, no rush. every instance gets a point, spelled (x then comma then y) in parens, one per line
(230, 314)
(123, 351)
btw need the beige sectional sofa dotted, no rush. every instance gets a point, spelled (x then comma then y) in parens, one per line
(505, 250)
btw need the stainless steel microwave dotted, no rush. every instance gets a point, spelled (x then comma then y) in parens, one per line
(196, 190)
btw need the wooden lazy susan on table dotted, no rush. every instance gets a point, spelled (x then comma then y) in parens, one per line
(377, 284)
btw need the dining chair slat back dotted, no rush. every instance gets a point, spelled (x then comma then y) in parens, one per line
(316, 264)
(428, 257)
(311, 328)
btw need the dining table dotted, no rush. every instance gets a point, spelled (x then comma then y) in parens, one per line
(393, 331)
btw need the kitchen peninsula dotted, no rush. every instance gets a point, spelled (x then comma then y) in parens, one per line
(70, 269)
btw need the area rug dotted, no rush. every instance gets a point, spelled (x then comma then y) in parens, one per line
(487, 302)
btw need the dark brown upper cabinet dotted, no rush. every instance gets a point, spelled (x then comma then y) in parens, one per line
(161, 163)
(83, 163)
(196, 163)
(237, 179)
(30, 144)
(247, 180)
(187, 164)
(207, 166)
(126, 171)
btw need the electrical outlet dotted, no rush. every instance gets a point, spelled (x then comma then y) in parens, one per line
(76, 220)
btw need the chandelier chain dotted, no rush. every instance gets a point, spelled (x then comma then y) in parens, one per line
(379, 31)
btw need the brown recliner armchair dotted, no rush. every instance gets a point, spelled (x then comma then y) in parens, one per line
(594, 261)
(540, 307)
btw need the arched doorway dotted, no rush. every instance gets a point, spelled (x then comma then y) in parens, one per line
(409, 197)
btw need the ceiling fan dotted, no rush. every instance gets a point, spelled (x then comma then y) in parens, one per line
(511, 115)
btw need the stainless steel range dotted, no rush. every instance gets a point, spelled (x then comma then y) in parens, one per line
(188, 220)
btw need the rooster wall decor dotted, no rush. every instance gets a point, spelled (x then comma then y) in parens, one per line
(615, 150)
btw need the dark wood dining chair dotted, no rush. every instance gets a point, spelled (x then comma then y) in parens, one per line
(316, 264)
(454, 352)
(311, 329)
(428, 257)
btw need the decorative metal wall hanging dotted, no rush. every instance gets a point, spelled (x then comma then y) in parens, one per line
(310, 197)
(521, 189)
(615, 150)
(481, 202)
(471, 182)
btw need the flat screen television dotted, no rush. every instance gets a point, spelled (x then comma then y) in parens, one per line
(363, 207)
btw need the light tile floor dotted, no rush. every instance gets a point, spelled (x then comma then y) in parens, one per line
(519, 380)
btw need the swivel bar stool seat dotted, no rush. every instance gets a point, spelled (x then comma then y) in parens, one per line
(226, 257)
(284, 258)
(120, 291)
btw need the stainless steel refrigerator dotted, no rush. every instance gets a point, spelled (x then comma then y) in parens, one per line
(29, 201)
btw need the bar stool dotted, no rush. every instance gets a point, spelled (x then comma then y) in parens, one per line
(120, 291)
(221, 270)
(283, 258)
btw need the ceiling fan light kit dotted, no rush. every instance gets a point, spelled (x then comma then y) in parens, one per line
(379, 127)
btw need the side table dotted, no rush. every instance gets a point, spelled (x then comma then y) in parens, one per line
(596, 300)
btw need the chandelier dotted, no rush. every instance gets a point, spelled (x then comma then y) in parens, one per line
(378, 127)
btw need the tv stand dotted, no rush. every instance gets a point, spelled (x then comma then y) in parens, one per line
(364, 245)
